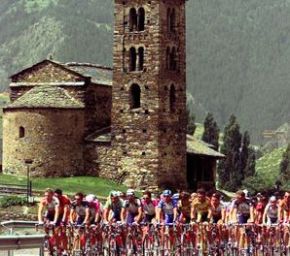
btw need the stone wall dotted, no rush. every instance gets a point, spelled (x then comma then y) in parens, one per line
(53, 139)
(138, 138)
(98, 107)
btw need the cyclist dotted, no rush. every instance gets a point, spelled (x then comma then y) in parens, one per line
(93, 210)
(270, 215)
(48, 210)
(78, 209)
(64, 209)
(216, 210)
(242, 209)
(284, 208)
(112, 208)
(131, 210)
(148, 206)
(200, 207)
(64, 205)
(166, 209)
(184, 207)
(260, 208)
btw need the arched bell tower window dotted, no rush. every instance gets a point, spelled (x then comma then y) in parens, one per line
(141, 19)
(172, 20)
(135, 96)
(133, 59)
(132, 19)
(21, 132)
(172, 98)
(140, 58)
(173, 59)
(168, 19)
(168, 58)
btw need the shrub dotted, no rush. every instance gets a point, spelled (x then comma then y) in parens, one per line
(7, 201)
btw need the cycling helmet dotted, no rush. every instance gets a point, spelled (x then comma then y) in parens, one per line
(175, 196)
(272, 199)
(130, 192)
(167, 192)
(90, 198)
(114, 193)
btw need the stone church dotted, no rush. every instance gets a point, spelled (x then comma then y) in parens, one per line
(127, 123)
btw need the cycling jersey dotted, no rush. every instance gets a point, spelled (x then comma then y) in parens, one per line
(49, 208)
(271, 213)
(216, 212)
(80, 210)
(184, 210)
(168, 210)
(243, 210)
(115, 207)
(149, 210)
(63, 202)
(201, 209)
(132, 208)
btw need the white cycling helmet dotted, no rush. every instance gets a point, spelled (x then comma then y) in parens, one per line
(90, 198)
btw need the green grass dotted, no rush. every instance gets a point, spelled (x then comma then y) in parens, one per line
(71, 185)
(267, 167)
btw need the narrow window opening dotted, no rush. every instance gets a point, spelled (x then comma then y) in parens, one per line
(143, 153)
(133, 59)
(132, 19)
(168, 19)
(141, 19)
(172, 21)
(21, 132)
(172, 98)
(144, 130)
(135, 96)
(168, 58)
(146, 112)
(141, 58)
(173, 59)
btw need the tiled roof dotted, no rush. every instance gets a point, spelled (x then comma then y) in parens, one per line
(46, 97)
(99, 74)
(198, 147)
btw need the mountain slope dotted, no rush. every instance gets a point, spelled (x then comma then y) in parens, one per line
(238, 52)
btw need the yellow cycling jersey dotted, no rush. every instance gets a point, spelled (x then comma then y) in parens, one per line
(200, 207)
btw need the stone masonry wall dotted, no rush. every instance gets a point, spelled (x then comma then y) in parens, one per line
(98, 107)
(138, 139)
(53, 139)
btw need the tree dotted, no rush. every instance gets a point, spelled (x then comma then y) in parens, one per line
(244, 153)
(191, 126)
(250, 168)
(285, 164)
(211, 131)
(230, 177)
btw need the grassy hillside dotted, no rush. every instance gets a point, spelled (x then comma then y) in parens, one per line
(268, 166)
(238, 52)
(87, 185)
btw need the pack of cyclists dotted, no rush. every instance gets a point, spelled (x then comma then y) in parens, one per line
(167, 208)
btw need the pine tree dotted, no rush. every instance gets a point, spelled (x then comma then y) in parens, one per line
(191, 126)
(250, 168)
(211, 131)
(244, 155)
(230, 177)
(285, 164)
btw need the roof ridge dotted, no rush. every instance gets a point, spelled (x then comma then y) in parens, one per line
(87, 64)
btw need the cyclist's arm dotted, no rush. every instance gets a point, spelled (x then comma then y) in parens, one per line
(280, 213)
(175, 213)
(193, 212)
(251, 214)
(233, 214)
(87, 216)
(56, 213)
(158, 214)
(265, 215)
(123, 214)
(40, 210)
(66, 211)
(71, 215)
(139, 216)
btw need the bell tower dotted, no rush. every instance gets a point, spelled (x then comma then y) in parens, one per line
(149, 93)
